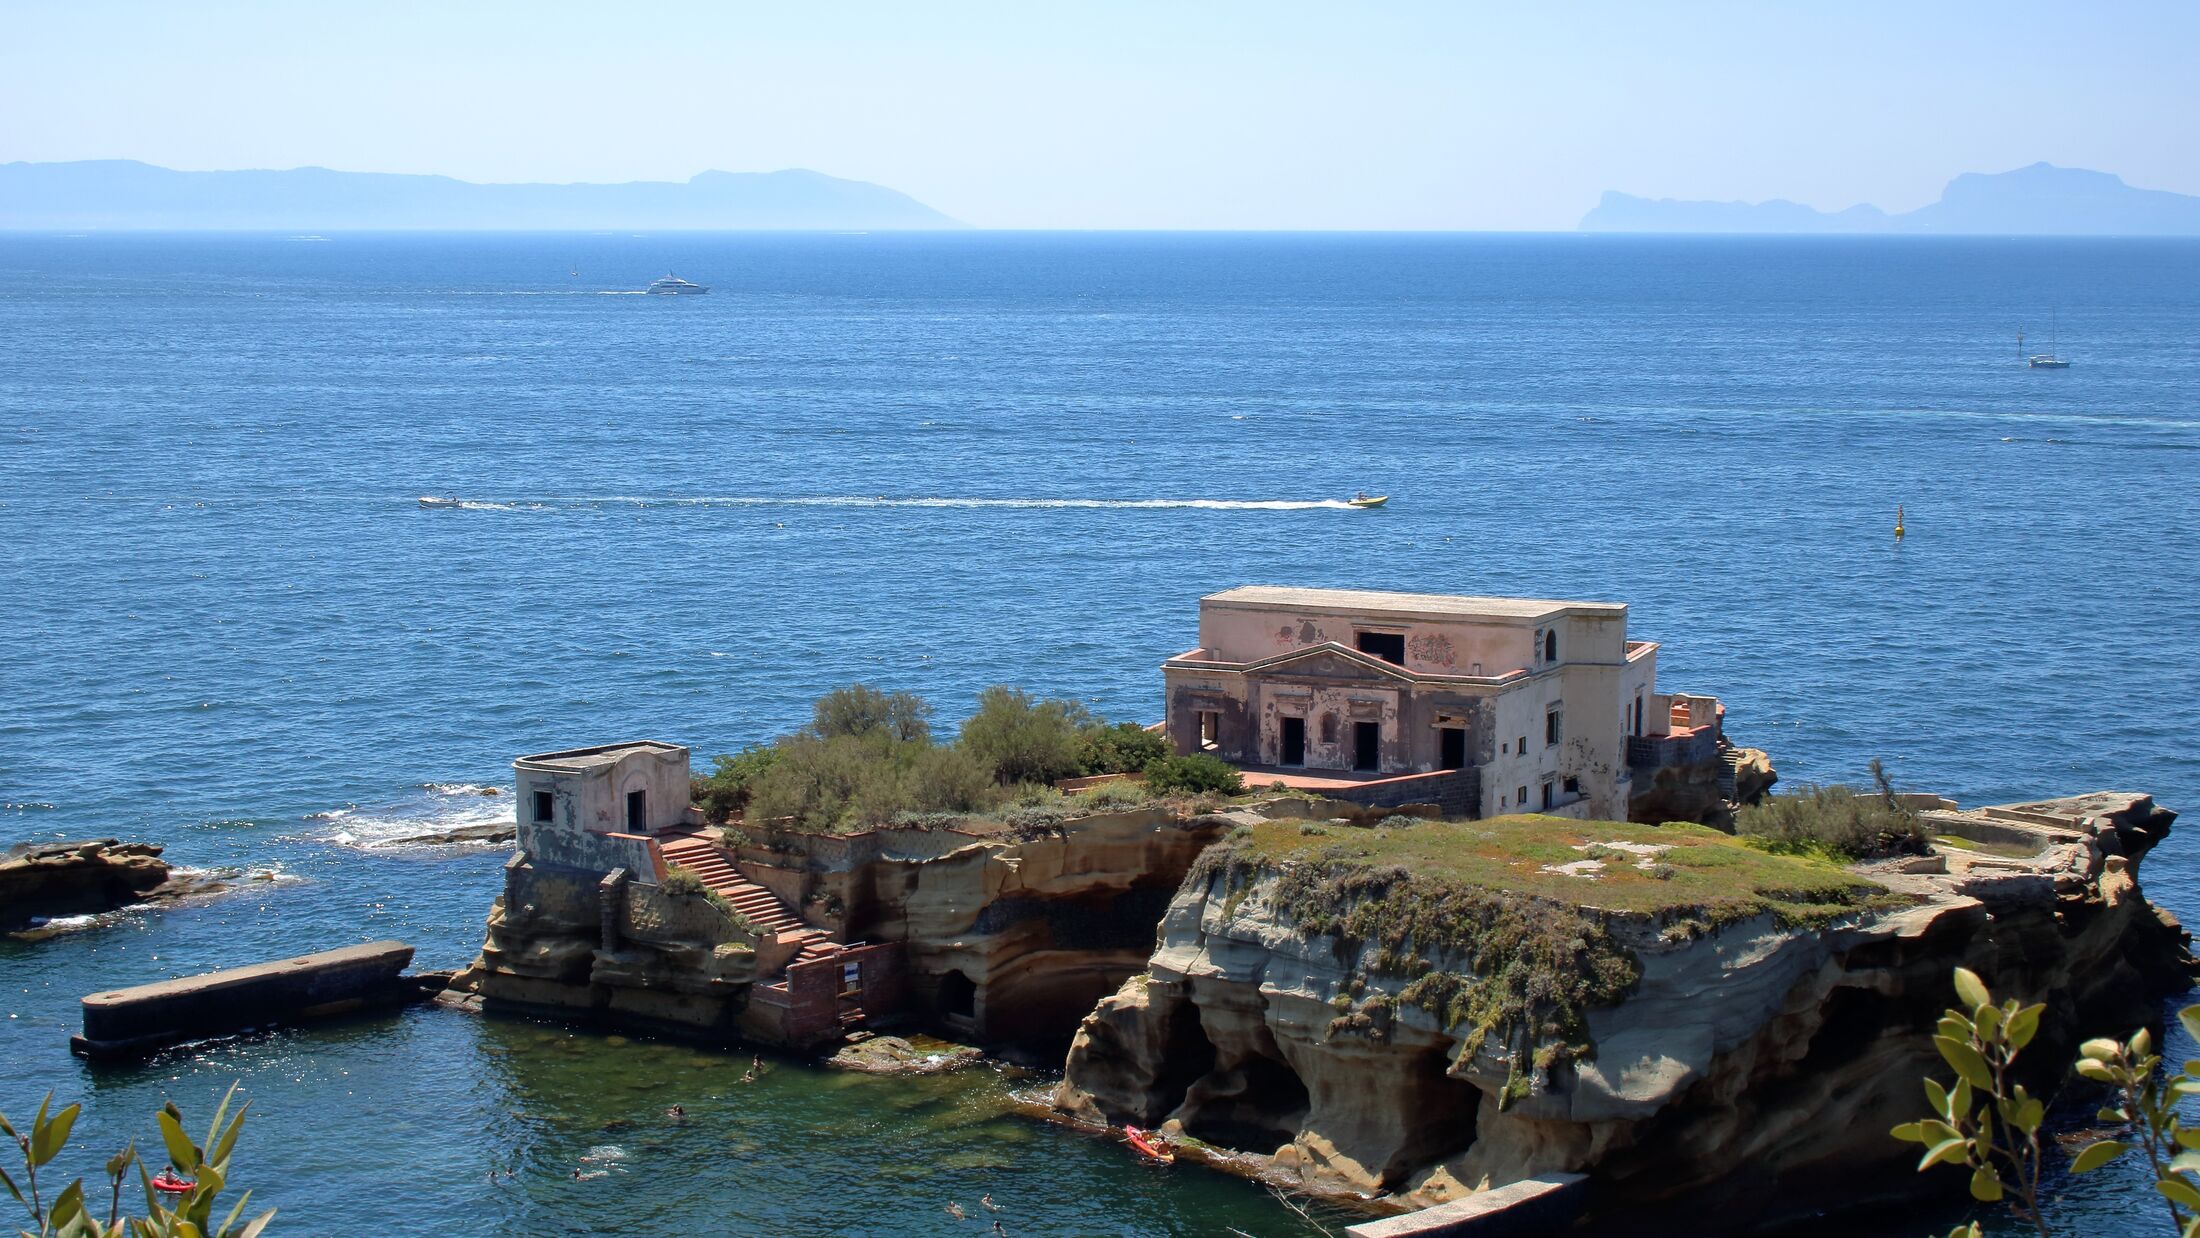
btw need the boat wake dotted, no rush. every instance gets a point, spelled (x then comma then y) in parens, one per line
(822, 500)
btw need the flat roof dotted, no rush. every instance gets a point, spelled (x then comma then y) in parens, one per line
(601, 754)
(1375, 601)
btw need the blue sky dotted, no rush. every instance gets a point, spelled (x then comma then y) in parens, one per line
(1134, 115)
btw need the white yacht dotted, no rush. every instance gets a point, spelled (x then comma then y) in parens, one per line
(2042, 360)
(672, 285)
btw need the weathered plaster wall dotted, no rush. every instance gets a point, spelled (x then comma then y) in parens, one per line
(592, 796)
(1446, 647)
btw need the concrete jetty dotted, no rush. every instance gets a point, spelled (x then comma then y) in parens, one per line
(1520, 1209)
(135, 1021)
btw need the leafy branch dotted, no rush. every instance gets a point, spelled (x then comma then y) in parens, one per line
(1991, 1125)
(200, 1170)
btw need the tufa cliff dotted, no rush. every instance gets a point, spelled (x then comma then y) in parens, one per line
(1419, 1011)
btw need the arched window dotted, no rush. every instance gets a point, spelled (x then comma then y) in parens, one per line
(1550, 645)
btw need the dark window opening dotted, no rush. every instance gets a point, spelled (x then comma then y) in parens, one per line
(1523, 749)
(543, 807)
(1550, 645)
(1293, 747)
(1573, 786)
(1550, 795)
(958, 996)
(637, 812)
(1522, 797)
(1367, 745)
(1552, 730)
(1452, 752)
(1210, 730)
(1389, 646)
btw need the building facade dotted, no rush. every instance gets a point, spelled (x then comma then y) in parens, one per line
(584, 807)
(1538, 698)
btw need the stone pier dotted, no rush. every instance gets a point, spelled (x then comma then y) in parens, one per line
(135, 1021)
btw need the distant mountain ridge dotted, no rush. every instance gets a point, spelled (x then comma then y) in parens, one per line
(2040, 200)
(126, 194)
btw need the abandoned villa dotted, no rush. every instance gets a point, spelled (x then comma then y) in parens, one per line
(1482, 705)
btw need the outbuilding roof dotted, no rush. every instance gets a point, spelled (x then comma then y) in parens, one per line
(1369, 601)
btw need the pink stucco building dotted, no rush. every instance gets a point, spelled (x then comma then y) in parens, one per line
(1486, 705)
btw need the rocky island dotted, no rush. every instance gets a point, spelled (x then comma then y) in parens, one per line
(44, 882)
(1417, 960)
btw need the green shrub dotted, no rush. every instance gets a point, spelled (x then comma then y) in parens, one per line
(682, 881)
(862, 710)
(1838, 819)
(1124, 793)
(1024, 740)
(726, 789)
(1118, 748)
(951, 780)
(847, 782)
(1194, 774)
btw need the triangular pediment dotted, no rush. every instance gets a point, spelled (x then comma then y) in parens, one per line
(1330, 660)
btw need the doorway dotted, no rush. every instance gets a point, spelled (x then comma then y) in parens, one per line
(1294, 742)
(1367, 745)
(1452, 748)
(637, 812)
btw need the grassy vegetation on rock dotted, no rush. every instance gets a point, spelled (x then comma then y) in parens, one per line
(1504, 927)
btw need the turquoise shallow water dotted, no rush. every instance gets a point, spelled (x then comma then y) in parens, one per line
(942, 462)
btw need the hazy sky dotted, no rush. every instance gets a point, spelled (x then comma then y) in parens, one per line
(1184, 114)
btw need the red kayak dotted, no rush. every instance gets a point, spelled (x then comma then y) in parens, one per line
(1148, 1146)
(168, 1182)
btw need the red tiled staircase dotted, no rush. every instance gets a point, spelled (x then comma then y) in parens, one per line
(759, 906)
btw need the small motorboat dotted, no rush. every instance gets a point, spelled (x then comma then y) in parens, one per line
(429, 500)
(169, 1182)
(1148, 1145)
(1364, 499)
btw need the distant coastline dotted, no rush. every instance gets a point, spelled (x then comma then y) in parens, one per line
(122, 194)
(2040, 200)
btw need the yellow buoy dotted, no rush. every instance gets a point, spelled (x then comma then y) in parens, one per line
(1898, 522)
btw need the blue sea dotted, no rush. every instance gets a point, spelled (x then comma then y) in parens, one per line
(936, 463)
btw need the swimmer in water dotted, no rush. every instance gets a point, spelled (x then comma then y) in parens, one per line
(676, 1112)
(987, 1200)
(955, 1211)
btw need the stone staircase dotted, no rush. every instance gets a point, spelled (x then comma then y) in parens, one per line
(1730, 758)
(759, 906)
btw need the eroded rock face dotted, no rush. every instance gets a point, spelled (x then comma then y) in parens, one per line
(1694, 792)
(1754, 1068)
(1015, 939)
(42, 880)
(668, 962)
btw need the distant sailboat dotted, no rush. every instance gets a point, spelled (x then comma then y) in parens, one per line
(2042, 360)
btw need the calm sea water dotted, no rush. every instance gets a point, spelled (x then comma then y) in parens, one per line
(936, 463)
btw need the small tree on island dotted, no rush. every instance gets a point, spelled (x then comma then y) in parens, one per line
(1024, 739)
(1990, 1124)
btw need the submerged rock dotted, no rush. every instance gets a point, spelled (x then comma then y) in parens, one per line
(891, 1055)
